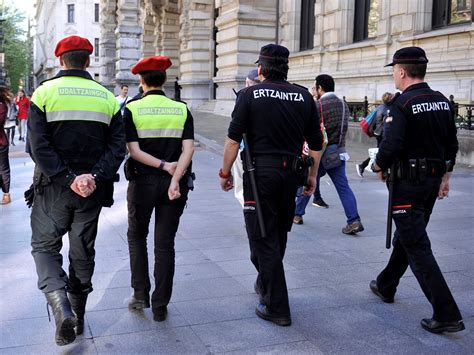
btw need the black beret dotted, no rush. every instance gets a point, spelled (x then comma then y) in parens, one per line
(409, 55)
(273, 53)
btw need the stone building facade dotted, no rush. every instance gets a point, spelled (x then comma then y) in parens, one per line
(56, 19)
(214, 43)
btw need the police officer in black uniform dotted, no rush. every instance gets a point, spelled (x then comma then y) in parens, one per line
(77, 142)
(277, 117)
(420, 140)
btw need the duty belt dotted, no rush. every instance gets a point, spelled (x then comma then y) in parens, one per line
(420, 169)
(274, 161)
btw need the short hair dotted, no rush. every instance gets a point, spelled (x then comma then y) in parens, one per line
(123, 86)
(4, 95)
(277, 71)
(75, 59)
(387, 97)
(326, 82)
(154, 78)
(415, 70)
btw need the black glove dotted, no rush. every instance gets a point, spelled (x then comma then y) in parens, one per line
(30, 196)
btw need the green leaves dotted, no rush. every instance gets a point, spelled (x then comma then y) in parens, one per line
(15, 46)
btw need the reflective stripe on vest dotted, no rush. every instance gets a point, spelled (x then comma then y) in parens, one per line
(78, 115)
(72, 98)
(156, 116)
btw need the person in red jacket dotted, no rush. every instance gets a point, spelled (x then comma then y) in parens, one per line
(23, 106)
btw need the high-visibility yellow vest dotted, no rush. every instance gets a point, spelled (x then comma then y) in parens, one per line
(156, 116)
(73, 98)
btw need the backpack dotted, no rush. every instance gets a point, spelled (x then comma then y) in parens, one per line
(367, 122)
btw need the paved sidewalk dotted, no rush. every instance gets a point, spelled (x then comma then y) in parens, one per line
(213, 303)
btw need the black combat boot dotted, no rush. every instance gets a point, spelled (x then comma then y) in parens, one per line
(78, 304)
(63, 316)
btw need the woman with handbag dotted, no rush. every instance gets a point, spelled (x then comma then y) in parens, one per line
(10, 123)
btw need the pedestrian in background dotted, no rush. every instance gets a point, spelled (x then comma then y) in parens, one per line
(377, 128)
(160, 139)
(420, 139)
(23, 104)
(335, 114)
(77, 142)
(177, 90)
(237, 169)
(5, 104)
(123, 97)
(277, 118)
(11, 122)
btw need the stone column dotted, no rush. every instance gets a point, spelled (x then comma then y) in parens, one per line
(167, 43)
(128, 34)
(196, 58)
(242, 31)
(108, 23)
(148, 18)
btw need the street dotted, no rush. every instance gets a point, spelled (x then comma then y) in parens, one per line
(212, 309)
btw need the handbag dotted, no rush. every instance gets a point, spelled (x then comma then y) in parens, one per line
(323, 131)
(13, 113)
(330, 158)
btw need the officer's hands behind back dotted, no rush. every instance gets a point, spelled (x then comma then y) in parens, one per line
(173, 190)
(84, 185)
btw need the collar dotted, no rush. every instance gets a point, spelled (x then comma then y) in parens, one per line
(327, 94)
(74, 72)
(271, 80)
(155, 92)
(422, 85)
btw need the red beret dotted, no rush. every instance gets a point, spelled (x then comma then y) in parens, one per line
(73, 43)
(157, 62)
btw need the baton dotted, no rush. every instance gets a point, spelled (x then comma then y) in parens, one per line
(388, 236)
(253, 183)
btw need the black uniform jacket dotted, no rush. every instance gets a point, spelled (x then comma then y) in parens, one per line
(420, 125)
(64, 148)
(277, 117)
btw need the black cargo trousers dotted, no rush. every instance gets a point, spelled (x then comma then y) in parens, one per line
(146, 193)
(276, 191)
(56, 211)
(413, 203)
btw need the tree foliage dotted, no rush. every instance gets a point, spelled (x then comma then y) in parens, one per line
(15, 46)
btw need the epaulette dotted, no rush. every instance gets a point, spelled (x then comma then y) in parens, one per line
(300, 86)
(181, 101)
(133, 99)
(54, 77)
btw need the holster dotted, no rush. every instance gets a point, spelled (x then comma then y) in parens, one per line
(301, 166)
(130, 169)
(39, 181)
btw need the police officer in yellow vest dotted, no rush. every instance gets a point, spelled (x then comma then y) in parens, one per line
(160, 138)
(77, 142)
